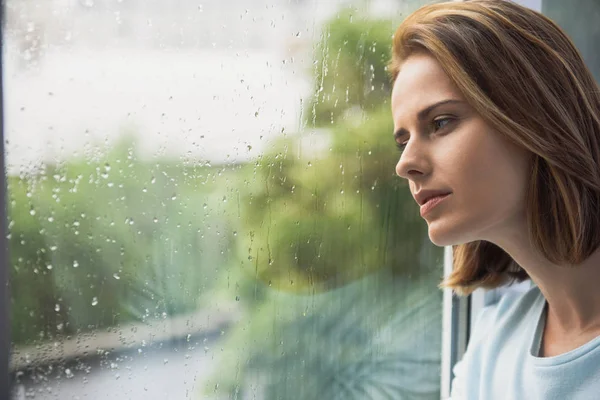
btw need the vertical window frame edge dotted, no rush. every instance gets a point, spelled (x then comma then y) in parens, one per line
(455, 329)
(5, 387)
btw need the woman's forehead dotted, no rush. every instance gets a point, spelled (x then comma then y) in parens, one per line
(421, 79)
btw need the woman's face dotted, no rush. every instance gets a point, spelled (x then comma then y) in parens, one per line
(450, 148)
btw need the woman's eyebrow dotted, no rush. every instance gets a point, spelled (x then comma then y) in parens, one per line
(423, 114)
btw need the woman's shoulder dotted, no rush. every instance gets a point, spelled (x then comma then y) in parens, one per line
(510, 308)
(501, 328)
(518, 302)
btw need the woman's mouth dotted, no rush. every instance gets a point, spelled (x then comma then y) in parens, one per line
(432, 202)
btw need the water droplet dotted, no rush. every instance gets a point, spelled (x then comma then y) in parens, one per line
(155, 220)
(95, 301)
(49, 266)
(68, 373)
(204, 206)
(153, 180)
(57, 307)
(75, 264)
(32, 211)
(237, 298)
(116, 276)
(174, 197)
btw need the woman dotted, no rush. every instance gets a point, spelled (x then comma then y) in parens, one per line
(498, 121)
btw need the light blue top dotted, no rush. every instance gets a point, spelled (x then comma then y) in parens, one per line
(501, 361)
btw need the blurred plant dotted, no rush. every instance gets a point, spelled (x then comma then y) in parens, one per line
(350, 74)
(102, 242)
(377, 338)
(320, 222)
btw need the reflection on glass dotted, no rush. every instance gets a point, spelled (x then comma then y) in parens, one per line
(202, 204)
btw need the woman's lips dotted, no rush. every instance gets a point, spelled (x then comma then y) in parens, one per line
(431, 203)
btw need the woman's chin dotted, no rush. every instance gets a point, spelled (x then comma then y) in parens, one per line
(441, 235)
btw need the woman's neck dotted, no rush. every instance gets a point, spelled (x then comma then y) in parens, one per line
(572, 292)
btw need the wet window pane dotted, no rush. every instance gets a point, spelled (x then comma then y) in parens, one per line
(202, 204)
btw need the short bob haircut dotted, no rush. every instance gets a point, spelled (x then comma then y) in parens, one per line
(524, 76)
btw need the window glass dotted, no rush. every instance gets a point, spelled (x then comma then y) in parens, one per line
(202, 204)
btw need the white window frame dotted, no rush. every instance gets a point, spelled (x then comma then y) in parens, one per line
(4, 294)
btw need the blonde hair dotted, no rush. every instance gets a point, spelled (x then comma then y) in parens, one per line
(524, 76)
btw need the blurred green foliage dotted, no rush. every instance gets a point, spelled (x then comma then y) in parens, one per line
(95, 244)
(326, 220)
(376, 338)
(350, 67)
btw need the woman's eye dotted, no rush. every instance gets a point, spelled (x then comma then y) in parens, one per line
(401, 146)
(438, 124)
(441, 123)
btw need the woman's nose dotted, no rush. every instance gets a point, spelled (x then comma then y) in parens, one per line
(412, 162)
